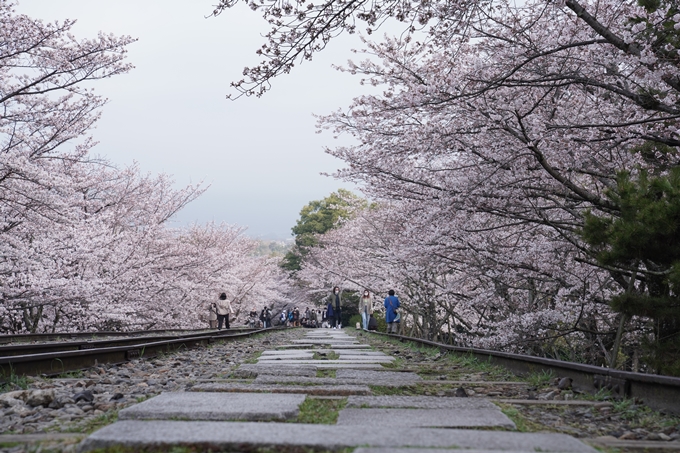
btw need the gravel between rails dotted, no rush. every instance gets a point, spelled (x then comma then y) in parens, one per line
(602, 417)
(80, 402)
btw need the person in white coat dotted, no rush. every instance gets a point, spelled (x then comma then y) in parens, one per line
(223, 311)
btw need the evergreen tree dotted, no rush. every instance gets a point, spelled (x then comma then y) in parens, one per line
(316, 217)
(643, 242)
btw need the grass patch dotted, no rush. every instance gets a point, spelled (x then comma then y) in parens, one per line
(331, 355)
(395, 364)
(639, 416)
(253, 359)
(523, 424)
(14, 382)
(540, 379)
(75, 374)
(326, 373)
(446, 362)
(100, 421)
(320, 411)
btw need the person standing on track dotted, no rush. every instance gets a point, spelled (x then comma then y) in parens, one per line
(212, 315)
(335, 300)
(365, 308)
(391, 315)
(223, 311)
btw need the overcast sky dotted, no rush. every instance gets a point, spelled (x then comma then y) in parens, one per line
(261, 157)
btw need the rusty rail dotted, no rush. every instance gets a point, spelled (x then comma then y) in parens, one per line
(658, 392)
(53, 363)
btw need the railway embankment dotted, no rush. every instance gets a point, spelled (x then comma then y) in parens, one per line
(320, 390)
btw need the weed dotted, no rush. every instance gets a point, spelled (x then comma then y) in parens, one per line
(75, 374)
(331, 355)
(600, 395)
(396, 363)
(541, 378)
(93, 424)
(141, 399)
(321, 373)
(253, 358)
(523, 424)
(320, 411)
(14, 382)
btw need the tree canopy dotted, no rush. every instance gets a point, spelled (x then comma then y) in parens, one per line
(317, 217)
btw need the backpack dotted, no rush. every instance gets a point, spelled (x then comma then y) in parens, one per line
(290, 316)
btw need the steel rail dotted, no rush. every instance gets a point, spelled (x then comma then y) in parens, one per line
(54, 363)
(36, 348)
(656, 391)
(56, 336)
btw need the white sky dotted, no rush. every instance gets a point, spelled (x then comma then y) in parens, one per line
(261, 157)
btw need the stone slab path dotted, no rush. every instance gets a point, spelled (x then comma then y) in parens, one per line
(215, 406)
(278, 385)
(226, 435)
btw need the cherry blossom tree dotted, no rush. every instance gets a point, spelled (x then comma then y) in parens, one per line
(495, 134)
(85, 245)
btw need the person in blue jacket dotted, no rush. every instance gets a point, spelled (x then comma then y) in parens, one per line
(391, 313)
(330, 315)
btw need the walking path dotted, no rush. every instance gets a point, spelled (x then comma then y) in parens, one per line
(327, 364)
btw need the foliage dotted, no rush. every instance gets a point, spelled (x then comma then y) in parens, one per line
(84, 245)
(497, 129)
(320, 411)
(316, 217)
(14, 382)
(541, 378)
(642, 242)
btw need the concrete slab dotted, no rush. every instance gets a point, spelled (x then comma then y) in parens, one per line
(239, 436)
(352, 365)
(255, 369)
(425, 418)
(375, 357)
(271, 379)
(378, 377)
(431, 450)
(420, 402)
(333, 390)
(289, 352)
(274, 379)
(331, 345)
(357, 360)
(323, 341)
(215, 406)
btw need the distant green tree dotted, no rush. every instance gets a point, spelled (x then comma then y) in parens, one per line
(642, 244)
(316, 217)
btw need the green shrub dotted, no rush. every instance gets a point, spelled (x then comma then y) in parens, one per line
(354, 320)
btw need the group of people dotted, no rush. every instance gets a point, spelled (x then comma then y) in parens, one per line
(392, 315)
(309, 318)
(329, 317)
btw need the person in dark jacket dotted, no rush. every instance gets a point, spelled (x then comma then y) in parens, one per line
(336, 300)
(330, 315)
(391, 314)
(372, 323)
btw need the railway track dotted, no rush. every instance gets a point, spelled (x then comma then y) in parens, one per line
(658, 392)
(68, 336)
(58, 357)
